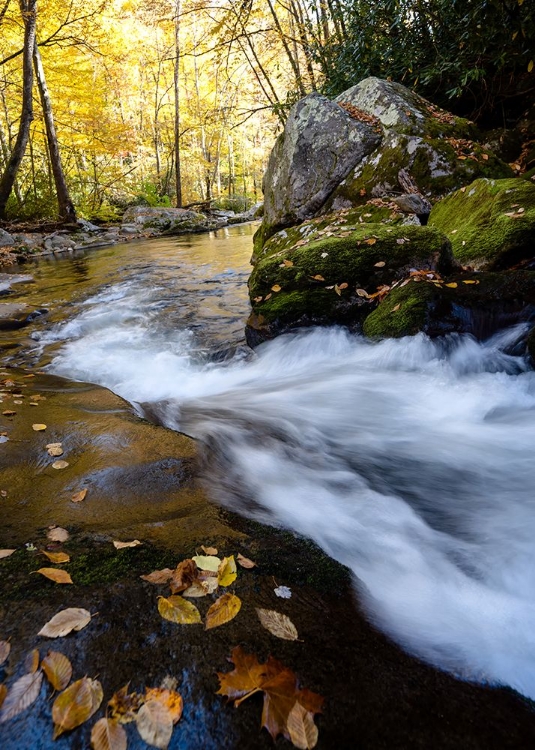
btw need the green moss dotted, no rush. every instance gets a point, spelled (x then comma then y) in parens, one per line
(402, 313)
(484, 223)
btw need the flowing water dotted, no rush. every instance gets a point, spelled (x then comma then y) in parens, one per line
(409, 461)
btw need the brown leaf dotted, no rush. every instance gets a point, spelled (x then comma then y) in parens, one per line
(55, 574)
(209, 550)
(179, 610)
(158, 576)
(258, 299)
(362, 293)
(268, 296)
(76, 705)
(344, 285)
(169, 698)
(123, 545)
(5, 650)
(318, 277)
(287, 263)
(54, 449)
(58, 669)
(31, 662)
(9, 413)
(155, 724)
(60, 464)
(57, 534)
(73, 618)
(301, 728)
(38, 427)
(57, 557)
(184, 575)
(278, 624)
(108, 735)
(3, 693)
(380, 264)
(79, 496)
(370, 241)
(245, 562)
(21, 695)
(6, 553)
(223, 610)
(123, 706)
(276, 288)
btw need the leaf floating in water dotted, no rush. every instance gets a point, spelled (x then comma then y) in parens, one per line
(54, 449)
(227, 572)
(79, 496)
(222, 611)
(57, 534)
(55, 574)
(245, 562)
(60, 464)
(108, 735)
(5, 650)
(179, 610)
(76, 705)
(65, 621)
(57, 557)
(38, 427)
(278, 624)
(6, 553)
(283, 592)
(124, 545)
(21, 695)
(58, 669)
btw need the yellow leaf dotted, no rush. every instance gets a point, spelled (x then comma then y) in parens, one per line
(452, 285)
(57, 534)
(57, 557)
(470, 281)
(301, 728)
(5, 650)
(176, 609)
(65, 621)
(222, 610)
(6, 552)
(278, 624)
(108, 735)
(287, 263)
(55, 574)
(60, 465)
(79, 496)
(21, 694)
(123, 545)
(245, 562)
(227, 571)
(276, 288)
(76, 704)
(371, 241)
(38, 427)
(58, 669)
(155, 724)
(208, 562)
(530, 66)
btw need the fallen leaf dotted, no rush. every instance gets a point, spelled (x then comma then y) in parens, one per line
(258, 299)
(55, 574)
(57, 534)
(205, 584)
(370, 241)
(396, 307)
(208, 562)
(108, 735)
(452, 285)
(222, 611)
(209, 550)
(54, 449)
(268, 296)
(123, 706)
(485, 157)
(283, 592)
(9, 413)
(226, 573)
(123, 545)
(179, 610)
(5, 650)
(155, 724)
(57, 557)
(184, 575)
(57, 669)
(301, 728)
(337, 290)
(65, 621)
(60, 464)
(318, 277)
(3, 693)
(470, 281)
(158, 576)
(79, 496)
(278, 624)
(6, 552)
(344, 285)
(169, 698)
(287, 263)
(362, 293)
(76, 704)
(380, 264)
(245, 562)
(38, 427)
(276, 288)
(31, 662)
(21, 694)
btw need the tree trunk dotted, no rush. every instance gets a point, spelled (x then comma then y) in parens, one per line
(66, 209)
(29, 11)
(176, 79)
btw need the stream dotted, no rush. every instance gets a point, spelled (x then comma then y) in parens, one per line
(409, 461)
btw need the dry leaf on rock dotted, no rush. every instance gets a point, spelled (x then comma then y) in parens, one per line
(55, 574)
(179, 610)
(227, 571)
(380, 264)
(57, 669)
(21, 695)
(31, 662)
(158, 576)
(60, 464)
(38, 427)
(5, 650)
(79, 496)
(222, 611)
(301, 728)
(209, 550)
(57, 534)
(283, 592)
(245, 562)
(155, 724)
(6, 553)
(207, 562)
(201, 587)
(57, 557)
(123, 706)
(65, 621)
(276, 288)
(278, 624)
(184, 575)
(76, 705)
(108, 735)
(9, 413)
(123, 545)
(452, 285)
(167, 697)
(54, 449)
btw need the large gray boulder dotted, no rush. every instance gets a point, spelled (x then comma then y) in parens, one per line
(6, 240)
(168, 220)
(319, 147)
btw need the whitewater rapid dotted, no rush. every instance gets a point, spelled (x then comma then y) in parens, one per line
(410, 461)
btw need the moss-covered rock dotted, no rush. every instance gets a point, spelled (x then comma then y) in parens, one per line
(168, 220)
(491, 223)
(479, 304)
(316, 282)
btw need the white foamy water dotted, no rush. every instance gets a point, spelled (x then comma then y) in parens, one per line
(410, 461)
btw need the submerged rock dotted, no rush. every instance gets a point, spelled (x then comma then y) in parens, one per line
(16, 315)
(491, 223)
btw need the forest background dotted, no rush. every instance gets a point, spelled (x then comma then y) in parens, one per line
(110, 103)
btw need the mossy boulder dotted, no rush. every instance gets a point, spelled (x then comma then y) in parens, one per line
(167, 220)
(316, 282)
(479, 304)
(491, 223)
